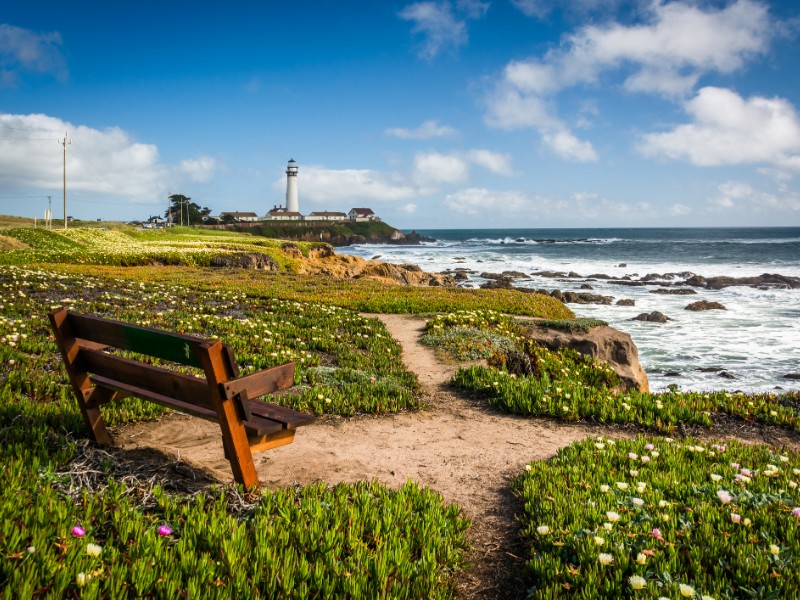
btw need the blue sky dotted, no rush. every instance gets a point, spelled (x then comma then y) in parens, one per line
(442, 114)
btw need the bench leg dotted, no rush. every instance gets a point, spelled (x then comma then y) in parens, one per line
(90, 409)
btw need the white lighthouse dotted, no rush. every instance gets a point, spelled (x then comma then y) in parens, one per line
(291, 187)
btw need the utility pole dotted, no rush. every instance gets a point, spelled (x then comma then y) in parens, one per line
(49, 212)
(64, 142)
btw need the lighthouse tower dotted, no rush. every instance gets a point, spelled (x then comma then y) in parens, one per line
(291, 187)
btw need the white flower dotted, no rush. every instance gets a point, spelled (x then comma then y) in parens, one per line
(774, 550)
(608, 526)
(599, 540)
(686, 591)
(604, 488)
(94, 550)
(81, 579)
(637, 582)
(543, 530)
(705, 597)
(622, 485)
(640, 486)
(637, 501)
(655, 454)
(783, 458)
(605, 559)
(724, 497)
(641, 558)
(662, 503)
(715, 477)
(612, 516)
(599, 446)
(634, 473)
(632, 455)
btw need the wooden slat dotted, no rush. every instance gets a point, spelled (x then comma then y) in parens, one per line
(262, 382)
(174, 347)
(267, 442)
(132, 390)
(158, 380)
(288, 416)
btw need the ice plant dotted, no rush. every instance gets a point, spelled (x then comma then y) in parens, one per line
(78, 531)
(94, 550)
(605, 559)
(637, 582)
(686, 590)
(164, 530)
(724, 496)
(612, 516)
(543, 530)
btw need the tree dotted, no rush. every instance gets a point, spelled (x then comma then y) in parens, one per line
(184, 211)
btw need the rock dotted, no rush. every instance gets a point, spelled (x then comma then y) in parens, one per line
(520, 240)
(603, 343)
(622, 265)
(672, 374)
(704, 305)
(573, 275)
(497, 284)
(586, 286)
(653, 317)
(245, 260)
(291, 250)
(599, 276)
(674, 291)
(551, 274)
(726, 375)
(792, 376)
(626, 302)
(321, 251)
(584, 298)
(515, 274)
(764, 280)
(460, 276)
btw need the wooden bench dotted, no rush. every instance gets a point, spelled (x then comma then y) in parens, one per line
(98, 377)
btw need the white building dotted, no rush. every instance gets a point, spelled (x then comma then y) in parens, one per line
(239, 217)
(279, 213)
(362, 214)
(291, 187)
(326, 216)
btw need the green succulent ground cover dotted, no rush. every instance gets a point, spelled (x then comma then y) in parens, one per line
(657, 518)
(530, 380)
(356, 541)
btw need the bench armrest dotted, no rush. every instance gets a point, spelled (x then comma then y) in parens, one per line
(260, 383)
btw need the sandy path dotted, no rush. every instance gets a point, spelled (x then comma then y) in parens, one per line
(463, 451)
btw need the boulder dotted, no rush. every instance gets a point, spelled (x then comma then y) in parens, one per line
(705, 305)
(652, 317)
(245, 260)
(626, 302)
(321, 251)
(603, 343)
(674, 291)
(291, 250)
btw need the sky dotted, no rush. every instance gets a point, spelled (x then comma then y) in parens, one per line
(435, 114)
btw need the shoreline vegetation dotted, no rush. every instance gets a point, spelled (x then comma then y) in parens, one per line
(657, 515)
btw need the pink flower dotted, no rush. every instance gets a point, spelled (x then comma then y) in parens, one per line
(724, 497)
(796, 512)
(11, 361)
(736, 518)
(746, 472)
(656, 533)
(164, 530)
(650, 447)
(78, 531)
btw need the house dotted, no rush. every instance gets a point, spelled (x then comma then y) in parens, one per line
(326, 216)
(362, 214)
(238, 217)
(280, 213)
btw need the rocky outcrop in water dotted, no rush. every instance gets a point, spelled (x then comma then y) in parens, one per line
(704, 305)
(652, 317)
(603, 343)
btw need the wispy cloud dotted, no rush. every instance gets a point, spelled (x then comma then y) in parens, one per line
(426, 131)
(22, 50)
(332, 188)
(441, 27)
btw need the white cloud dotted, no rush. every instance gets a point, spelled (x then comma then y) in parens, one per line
(199, 169)
(437, 24)
(497, 163)
(569, 147)
(22, 50)
(679, 210)
(428, 129)
(107, 163)
(479, 201)
(435, 168)
(667, 53)
(727, 129)
(473, 9)
(533, 8)
(332, 188)
(743, 198)
(408, 209)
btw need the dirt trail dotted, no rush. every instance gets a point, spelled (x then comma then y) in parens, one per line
(456, 447)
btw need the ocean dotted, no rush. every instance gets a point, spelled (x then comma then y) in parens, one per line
(751, 346)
